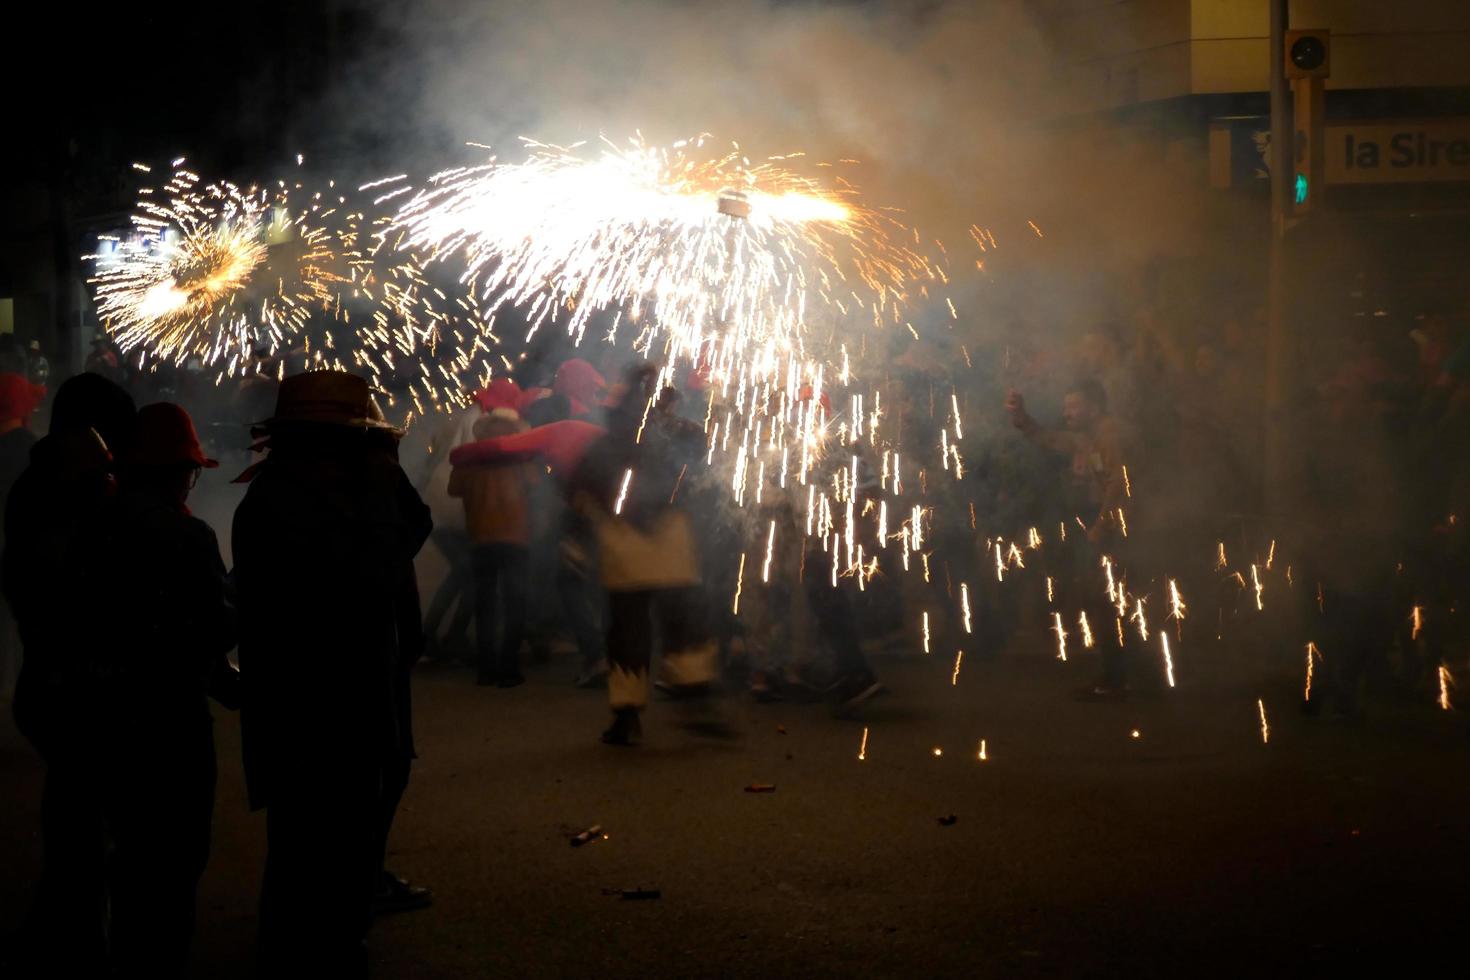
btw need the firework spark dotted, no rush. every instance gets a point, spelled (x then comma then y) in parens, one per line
(1265, 728)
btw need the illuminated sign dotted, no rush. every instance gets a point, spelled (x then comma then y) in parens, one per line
(1398, 152)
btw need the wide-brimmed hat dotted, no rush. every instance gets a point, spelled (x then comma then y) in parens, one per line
(164, 435)
(329, 398)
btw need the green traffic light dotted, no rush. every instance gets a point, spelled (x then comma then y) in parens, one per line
(1301, 188)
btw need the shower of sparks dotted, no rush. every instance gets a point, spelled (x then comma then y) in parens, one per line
(739, 582)
(1086, 630)
(1168, 657)
(1119, 621)
(1033, 539)
(770, 552)
(1313, 654)
(1265, 728)
(728, 258)
(623, 492)
(1445, 683)
(1256, 581)
(1176, 602)
(863, 748)
(1139, 618)
(1061, 637)
(1416, 615)
(954, 679)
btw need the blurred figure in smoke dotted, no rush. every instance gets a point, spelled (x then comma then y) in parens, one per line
(65, 488)
(561, 443)
(456, 593)
(152, 649)
(1094, 442)
(627, 487)
(330, 629)
(18, 400)
(497, 517)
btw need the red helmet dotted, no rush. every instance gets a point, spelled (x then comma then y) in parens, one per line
(165, 436)
(500, 393)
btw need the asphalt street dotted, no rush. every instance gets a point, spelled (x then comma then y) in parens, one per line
(1076, 848)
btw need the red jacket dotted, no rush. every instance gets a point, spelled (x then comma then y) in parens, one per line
(561, 444)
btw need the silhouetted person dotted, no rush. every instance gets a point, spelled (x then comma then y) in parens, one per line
(66, 486)
(324, 544)
(153, 646)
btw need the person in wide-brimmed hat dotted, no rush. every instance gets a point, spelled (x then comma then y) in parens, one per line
(330, 628)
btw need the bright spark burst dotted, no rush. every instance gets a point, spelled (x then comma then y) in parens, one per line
(770, 552)
(729, 255)
(965, 605)
(1176, 602)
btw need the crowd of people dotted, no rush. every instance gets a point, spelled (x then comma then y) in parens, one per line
(572, 510)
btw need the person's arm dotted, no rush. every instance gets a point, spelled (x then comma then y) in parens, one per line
(1056, 440)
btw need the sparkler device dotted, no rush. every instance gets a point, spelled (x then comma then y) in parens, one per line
(733, 203)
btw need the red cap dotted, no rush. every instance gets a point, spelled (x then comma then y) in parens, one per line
(165, 436)
(500, 393)
(806, 395)
(18, 397)
(579, 381)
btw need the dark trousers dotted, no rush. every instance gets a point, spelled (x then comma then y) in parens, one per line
(836, 617)
(152, 794)
(325, 834)
(501, 572)
(680, 619)
(455, 592)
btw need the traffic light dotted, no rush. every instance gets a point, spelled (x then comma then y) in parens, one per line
(1309, 53)
(1308, 63)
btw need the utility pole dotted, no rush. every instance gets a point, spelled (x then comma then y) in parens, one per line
(1277, 440)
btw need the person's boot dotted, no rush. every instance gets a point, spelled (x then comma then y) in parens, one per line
(626, 729)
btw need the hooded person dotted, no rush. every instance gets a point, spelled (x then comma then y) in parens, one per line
(496, 500)
(627, 487)
(65, 487)
(151, 651)
(329, 630)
